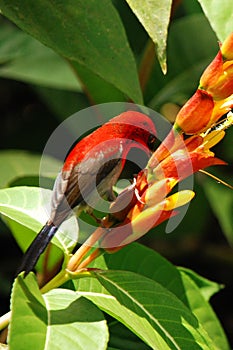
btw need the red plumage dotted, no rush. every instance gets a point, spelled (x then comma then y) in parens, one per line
(95, 162)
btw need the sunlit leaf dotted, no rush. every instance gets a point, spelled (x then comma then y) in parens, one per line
(140, 303)
(147, 262)
(219, 16)
(154, 16)
(29, 207)
(59, 319)
(15, 164)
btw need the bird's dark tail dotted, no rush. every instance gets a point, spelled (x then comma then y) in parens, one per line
(36, 248)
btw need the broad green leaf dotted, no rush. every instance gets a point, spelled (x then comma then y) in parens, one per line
(89, 32)
(147, 262)
(150, 310)
(154, 16)
(26, 59)
(137, 324)
(29, 315)
(29, 207)
(99, 89)
(15, 164)
(206, 287)
(204, 313)
(223, 208)
(219, 16)
(58, 319)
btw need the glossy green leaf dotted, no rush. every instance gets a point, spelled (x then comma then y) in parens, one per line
(29, 207)
(218, 14)
(154, 16)
(142, 303)
(15, 164)
(204, 313)
(222, 208)
(148, 263)
(59, 319)
(26, 303)
(26, 59)
(206, 287)
(193, 294)
(89, 32)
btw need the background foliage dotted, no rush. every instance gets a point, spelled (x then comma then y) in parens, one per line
(76, 54)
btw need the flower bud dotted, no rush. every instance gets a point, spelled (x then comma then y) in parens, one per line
(212, 73)
(224, 87)
(195, 115)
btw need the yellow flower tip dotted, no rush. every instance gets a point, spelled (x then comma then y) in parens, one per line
(178, 199)
(227, 48)
(158, 190)
(211, 139)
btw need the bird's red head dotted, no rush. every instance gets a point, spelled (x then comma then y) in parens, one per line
(135, 126)
(130, 129)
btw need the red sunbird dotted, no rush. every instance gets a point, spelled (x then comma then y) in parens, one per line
(94, 164)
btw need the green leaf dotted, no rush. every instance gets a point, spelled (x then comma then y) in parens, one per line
(206, 287)
(109, 304)
(99, 89)
(26, 59)
(146, 262)
(58, 319)
(144, 303)
(219, 16)
(15, 164)
(222, 208)
(29, 206)
(204, 313)
(26, 303)
(89, 32)
(154, 16)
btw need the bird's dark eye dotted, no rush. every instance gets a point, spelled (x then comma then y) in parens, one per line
(151, 142)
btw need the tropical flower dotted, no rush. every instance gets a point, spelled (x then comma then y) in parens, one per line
(148, 201)
(214, 96)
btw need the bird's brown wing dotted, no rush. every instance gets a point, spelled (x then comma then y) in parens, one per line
(72, 187)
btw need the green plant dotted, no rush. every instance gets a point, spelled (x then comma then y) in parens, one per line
(134, 298)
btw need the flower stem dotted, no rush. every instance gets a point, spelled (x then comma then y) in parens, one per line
(78, 256)
(57, 281)
(4, 320)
